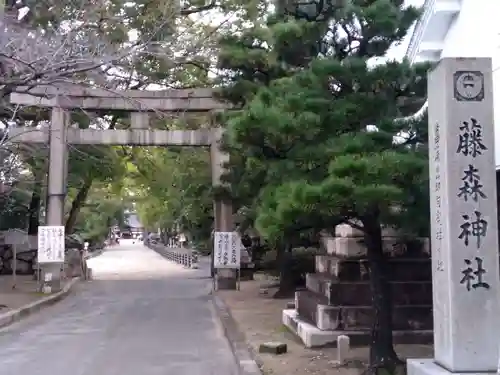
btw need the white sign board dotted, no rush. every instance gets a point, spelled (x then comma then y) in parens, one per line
(51, 244)
(15, 237)
(227, 250)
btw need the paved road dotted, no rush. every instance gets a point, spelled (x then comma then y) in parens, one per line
(142, 315)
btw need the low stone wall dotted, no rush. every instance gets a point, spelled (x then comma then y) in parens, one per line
(186, 257)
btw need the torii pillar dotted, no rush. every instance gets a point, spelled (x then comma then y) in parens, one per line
(223, 208)
(56, 191)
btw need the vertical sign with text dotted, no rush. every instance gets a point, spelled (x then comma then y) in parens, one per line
(464, 238)
(227, 250)
(50, 244)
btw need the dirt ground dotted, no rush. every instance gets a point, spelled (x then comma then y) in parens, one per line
(259, 318)
(24, 292)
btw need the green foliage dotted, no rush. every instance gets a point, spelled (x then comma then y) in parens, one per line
(298, 128)
(13, 210)
(175, 50)
(99, 163)
(172, 187)
(102, 209)
(306, 157)
(324, 133)
(300, 261)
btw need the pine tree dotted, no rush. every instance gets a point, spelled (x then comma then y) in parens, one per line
(327, 135)
(271, 47)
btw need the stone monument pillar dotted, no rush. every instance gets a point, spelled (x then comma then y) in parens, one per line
(464, 240)
(56, 191)
(223, 209)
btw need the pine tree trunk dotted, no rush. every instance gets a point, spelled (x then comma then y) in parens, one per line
(382, 354)
(286, 286)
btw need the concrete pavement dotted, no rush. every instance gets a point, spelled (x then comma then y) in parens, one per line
(141, 315)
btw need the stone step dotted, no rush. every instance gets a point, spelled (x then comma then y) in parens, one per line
(393, 246)
(355, 293)
(400, 269)
(345, 230)
(313, 337)
(312, 307)
(306, 303)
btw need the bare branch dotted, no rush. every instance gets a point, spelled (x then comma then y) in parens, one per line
(96, 43)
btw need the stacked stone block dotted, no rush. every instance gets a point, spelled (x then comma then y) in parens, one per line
(338, 296)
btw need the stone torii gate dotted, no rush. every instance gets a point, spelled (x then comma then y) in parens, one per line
(139, 104)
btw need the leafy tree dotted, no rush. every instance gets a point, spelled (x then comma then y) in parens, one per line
(172, 188)
(271, 48)
(169, 48)
(321, 138)
(21, 173)
(89, 165)
(102, 209)
(13, 209)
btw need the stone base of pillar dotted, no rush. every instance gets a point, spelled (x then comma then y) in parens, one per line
(50, 278)
(430, 367)
(226, 279)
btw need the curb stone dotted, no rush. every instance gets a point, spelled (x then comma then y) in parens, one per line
(246, 358)
(13, 316)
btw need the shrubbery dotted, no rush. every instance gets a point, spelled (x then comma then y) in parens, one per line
(298, 263)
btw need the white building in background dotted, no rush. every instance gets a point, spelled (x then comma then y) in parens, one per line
(458, 28)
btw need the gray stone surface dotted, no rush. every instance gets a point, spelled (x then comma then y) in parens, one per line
(140, 315)
(343, 347)
(73, 266)
(428, 366)
(465, 276)
(198, 100)
(144, 137)
(273, 347)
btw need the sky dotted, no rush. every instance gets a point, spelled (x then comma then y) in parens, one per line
(398, 52)
(474, 33)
